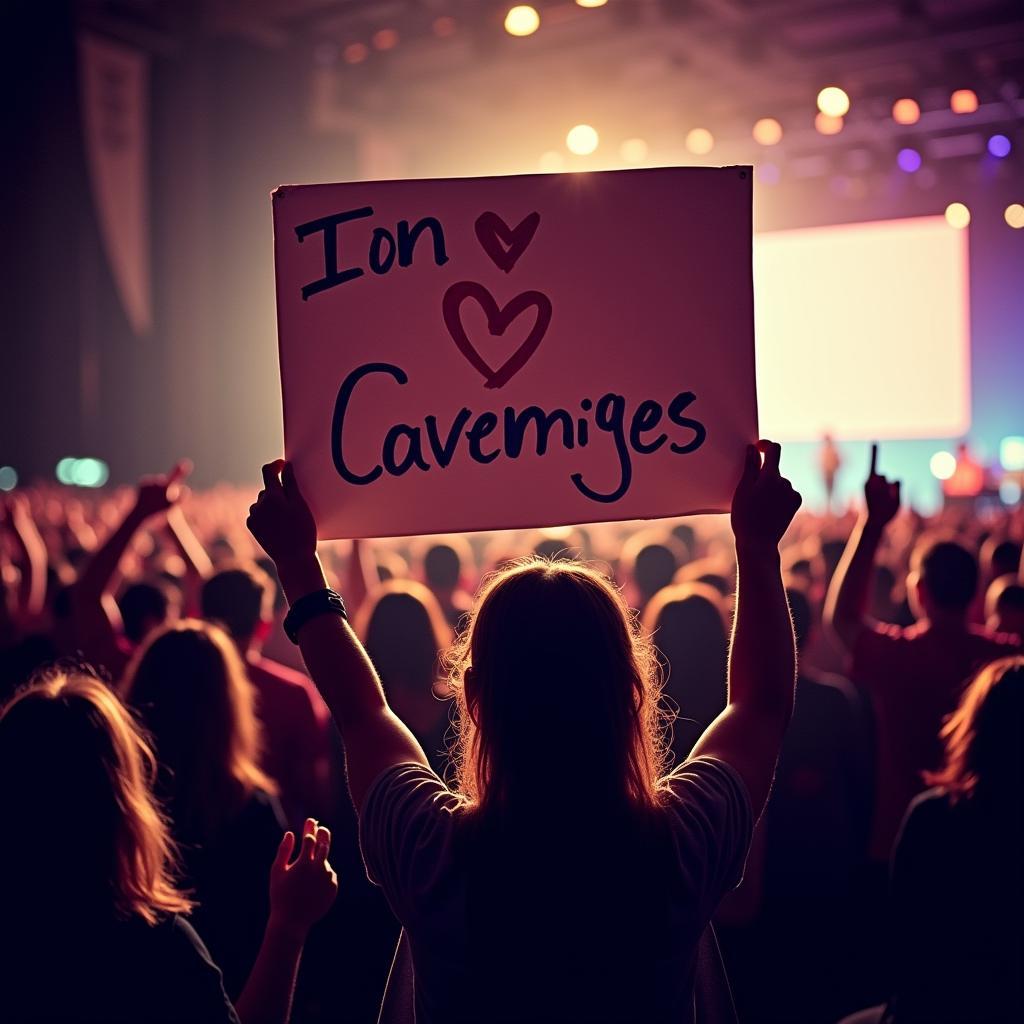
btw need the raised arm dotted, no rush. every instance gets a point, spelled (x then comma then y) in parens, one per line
(96, 617)
(762, 660)
(374, 737)
(301, 892)
(30, 556)
(198, 566)
(847, 601)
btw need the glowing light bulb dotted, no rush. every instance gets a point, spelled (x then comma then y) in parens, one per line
(957, 215)
(906, 111)
(833, 102)
(582, 140)
(767, 131)
(700, 141)
(522, 20)
(963, 101)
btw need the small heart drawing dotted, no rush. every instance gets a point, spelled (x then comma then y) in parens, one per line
(504, 244)
(497, 322)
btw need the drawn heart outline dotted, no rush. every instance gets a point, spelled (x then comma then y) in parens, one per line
(498, 321)
(504, 244)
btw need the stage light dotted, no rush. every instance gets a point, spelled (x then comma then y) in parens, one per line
(826, 124)
(551, 162)
(355, 53)
(957, 215)
(522, 21)
(1014, 215)
(591, 3)
(906, 111)
(942, 465)
(700, 141)
(8, 478)
(768, 173)
(385, 39)
(63, 471)
(999, 146)
(582, 140)
(1011, 453)
(633, 151)
(963, 101)
(444, 26)
(909, 160)
(833, 102)
(767, 131)
(89, 472)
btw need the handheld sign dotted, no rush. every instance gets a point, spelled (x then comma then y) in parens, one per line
(537, 350)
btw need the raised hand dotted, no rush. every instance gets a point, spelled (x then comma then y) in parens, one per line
(765, 502)
(304, 890)
(280, 519)
(157, 494)
(882, 496)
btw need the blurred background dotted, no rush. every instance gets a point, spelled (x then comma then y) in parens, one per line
(145, 137)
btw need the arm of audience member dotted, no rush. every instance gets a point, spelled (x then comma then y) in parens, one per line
(198, 566)
(762, 660)
(300, 894)
(360, 576)
(96, 617)
(30, 556)
(373, 736)
(847, 601)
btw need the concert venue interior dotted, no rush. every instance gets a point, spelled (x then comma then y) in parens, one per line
(144, 141)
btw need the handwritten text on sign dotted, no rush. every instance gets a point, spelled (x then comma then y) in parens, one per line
(484, 353)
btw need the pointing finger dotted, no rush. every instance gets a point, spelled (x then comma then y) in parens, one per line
(874, 459)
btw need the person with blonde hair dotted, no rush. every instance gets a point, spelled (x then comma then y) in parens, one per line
(566, 876)
(189, 687)
(94, 916)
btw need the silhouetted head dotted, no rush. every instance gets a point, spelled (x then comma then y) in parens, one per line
(1000, 558)
(442, 567)
(189, 687)
(943, 578)
(240, 599)
(1004, 605)
(82, 830)
(145, 607)
(558, 695)
(650, 563)
(982, 737)
(404, 631)
(688, 626)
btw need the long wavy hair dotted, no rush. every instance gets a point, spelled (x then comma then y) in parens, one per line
(558, 692)
(83, 828)
(189, 687)
(982, 737)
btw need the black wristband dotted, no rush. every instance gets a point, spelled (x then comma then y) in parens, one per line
(320, 602)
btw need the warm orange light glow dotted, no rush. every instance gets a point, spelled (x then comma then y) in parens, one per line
(582, 140)
(522, 20)
(700, 141)
(833, 101)
(355, 53)
(385, 39)
(963, 101)
(633, 151)
(1014, 215)
(957, 215)
(906, 111)
(767, 131)
(591, 3)
(828, 125)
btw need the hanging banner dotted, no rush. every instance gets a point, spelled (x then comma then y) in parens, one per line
(524, 351)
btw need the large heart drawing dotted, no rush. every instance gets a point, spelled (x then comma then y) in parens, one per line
(497, 322)
(504, 244)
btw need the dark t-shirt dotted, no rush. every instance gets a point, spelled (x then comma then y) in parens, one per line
(588, 918)
(958, 918)
(123, 971)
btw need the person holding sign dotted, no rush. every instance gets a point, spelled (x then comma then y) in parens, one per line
(568, 875)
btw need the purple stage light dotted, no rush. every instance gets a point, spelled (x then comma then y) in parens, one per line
(909, 160)
(999, 146)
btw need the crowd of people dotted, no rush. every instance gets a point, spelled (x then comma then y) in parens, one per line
(765, 767)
